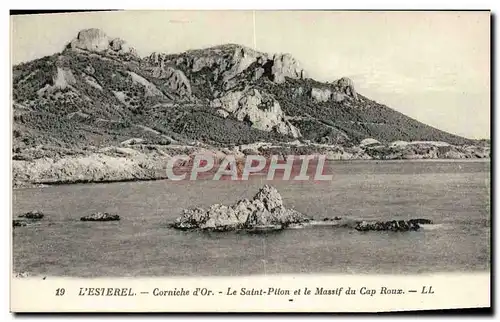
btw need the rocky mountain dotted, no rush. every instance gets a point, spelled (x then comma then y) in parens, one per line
(99, 94)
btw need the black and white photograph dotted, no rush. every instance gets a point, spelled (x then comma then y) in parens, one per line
(175, 144)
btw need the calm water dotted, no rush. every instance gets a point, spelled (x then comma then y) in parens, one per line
(455, 195)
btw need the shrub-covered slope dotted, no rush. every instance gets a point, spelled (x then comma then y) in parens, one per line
(98, 92)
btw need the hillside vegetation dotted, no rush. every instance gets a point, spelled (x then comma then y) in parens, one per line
(99, 93)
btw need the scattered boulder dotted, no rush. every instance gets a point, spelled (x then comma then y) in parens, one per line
(150, 90)
(332, 219)
(133, 141)
(320, 94)
(229, 102)
(222, 113)
(34, 215)
(96, 40)
(265, 212)
(393, 225)
(22, 275)
(338, 97)
(369, 142)
(100, 216)
(250, 152)
(27, 218)
(346, 86)
(398, 144)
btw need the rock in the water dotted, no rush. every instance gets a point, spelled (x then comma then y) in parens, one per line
(100, 216)
(338, 97)
(19, 223)
(393, 225)
(35, 215)
(346, 86)
(120, 46)
(222, 113)
(265, 212)
(332, 219)
(320, 94)
(421, 221)
(265, 229)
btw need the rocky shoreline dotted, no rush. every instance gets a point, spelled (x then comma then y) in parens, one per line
(146, 162)
(101, 216)
(35, 217)
(264, 213)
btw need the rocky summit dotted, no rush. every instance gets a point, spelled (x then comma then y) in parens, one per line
(100, 109)
(265, 212)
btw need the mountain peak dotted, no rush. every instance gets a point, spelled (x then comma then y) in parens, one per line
(96, 40)
(96, 93)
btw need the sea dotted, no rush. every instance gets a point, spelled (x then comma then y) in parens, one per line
(455, 195)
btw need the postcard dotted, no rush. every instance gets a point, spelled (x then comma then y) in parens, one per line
(250, 161)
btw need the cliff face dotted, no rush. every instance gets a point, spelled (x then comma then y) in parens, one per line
(99, 93)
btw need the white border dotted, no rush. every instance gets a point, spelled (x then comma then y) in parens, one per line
(185, 4)
(261, 4)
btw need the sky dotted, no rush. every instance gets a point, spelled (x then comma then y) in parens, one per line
(432, 66)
